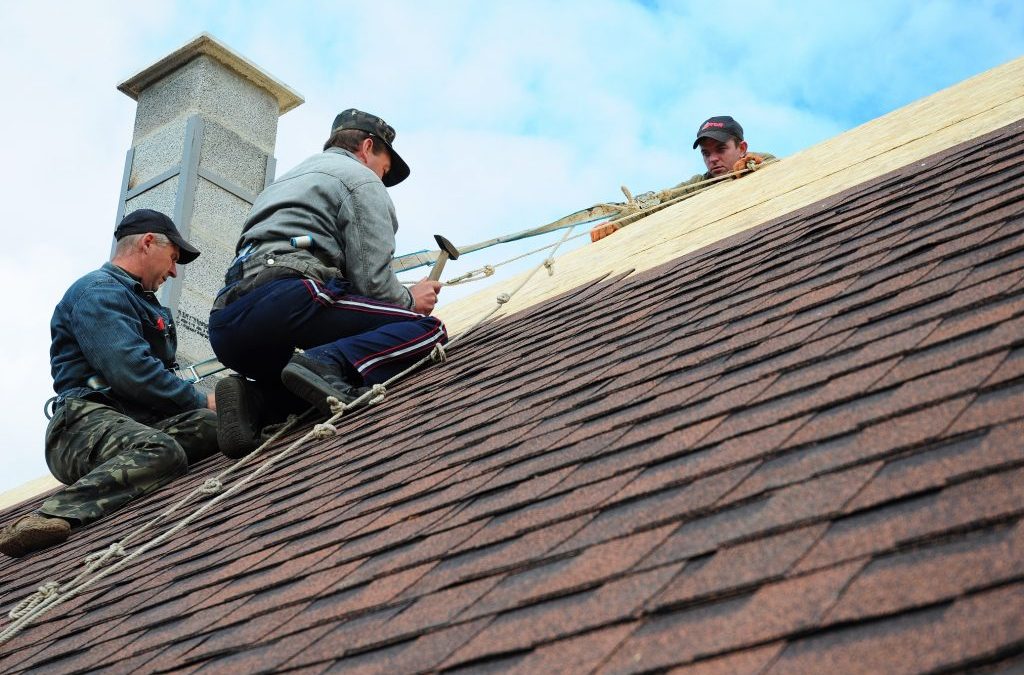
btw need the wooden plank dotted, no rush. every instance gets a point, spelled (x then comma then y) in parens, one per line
(28, 490)
(952, 116)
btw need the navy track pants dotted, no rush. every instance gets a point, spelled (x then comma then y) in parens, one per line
(257, 334)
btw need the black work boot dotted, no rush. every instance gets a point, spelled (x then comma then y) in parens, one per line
(238, 416)
(313, 381)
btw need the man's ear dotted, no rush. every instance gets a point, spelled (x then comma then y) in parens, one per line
(743, 148)
(146, 241)
(367, 146)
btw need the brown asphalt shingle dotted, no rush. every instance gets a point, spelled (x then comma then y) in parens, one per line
(800, 449)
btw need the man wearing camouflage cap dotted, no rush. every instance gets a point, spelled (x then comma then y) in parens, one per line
(123, 423)
(724, 152)
(313, 272)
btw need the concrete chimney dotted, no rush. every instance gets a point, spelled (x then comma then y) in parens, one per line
(202, 149)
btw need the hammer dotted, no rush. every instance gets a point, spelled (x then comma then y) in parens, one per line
(447, 251)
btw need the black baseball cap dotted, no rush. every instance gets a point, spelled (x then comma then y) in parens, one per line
(148, 220)
(720, 128)
(371, 124)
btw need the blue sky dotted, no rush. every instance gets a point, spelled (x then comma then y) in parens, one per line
(511, 114)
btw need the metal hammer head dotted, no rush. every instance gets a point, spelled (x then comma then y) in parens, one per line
(446, 247)
(447, 251)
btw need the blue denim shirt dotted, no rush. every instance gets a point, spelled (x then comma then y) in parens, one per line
(107, 325)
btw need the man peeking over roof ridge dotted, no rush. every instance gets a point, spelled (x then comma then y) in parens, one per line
(724, 151)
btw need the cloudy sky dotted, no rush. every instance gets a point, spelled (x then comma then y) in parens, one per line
(511, 114)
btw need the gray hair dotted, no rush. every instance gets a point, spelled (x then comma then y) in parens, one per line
(126, 244)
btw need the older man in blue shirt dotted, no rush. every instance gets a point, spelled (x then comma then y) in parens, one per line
(124, 424)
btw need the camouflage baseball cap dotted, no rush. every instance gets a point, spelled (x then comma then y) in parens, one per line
(720, 128)
(371, 124)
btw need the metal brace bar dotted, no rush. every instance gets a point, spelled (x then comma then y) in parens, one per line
(153, 182)
(185, 200)
(129, 158)
(271, 171)
(122, 202)
(227, 185)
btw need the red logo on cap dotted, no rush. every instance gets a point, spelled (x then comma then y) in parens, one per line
(712, 124)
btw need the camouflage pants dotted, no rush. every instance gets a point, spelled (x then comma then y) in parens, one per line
(107, 459)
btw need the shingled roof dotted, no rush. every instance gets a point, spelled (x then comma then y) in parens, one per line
(798, 449)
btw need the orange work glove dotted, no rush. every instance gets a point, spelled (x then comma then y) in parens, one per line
(603, 230)
(740, 167)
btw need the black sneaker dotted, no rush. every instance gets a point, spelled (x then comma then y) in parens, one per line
(238, 416)
(313, 381)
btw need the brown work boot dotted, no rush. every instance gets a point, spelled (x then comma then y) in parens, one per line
(33, 532)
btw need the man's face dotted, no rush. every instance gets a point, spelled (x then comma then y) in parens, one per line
(379, 164)
(160, 262)
(719, 157)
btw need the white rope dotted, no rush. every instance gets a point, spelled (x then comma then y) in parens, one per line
(489, 270)
(211, 487)
(634, 209)
(51, 594)
(324, 430)
(504, 298)
(379, 391)
(28, 604)
(337, 407)
(472, 275)
(631, 212)
(112, 551)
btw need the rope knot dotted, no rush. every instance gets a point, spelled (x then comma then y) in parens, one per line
(114, 550)
(438, 354)
(503, 298)
(211, 486)
(336, 405)
(324, 430)
(488, 270)
(43, 593)
(379, 391)
(550, 264)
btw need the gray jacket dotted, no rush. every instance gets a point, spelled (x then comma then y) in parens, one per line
(345, 208)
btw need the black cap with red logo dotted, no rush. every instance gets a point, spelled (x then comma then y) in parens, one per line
(720, 128)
